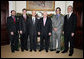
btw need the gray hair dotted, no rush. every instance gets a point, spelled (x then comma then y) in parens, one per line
(71, 7)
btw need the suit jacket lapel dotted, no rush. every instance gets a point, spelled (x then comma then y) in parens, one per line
(31, 20)
(71, 16)
(23, 18)
(35, 20)
(46, 21)
(15, 19)
(42, 22)
(12, 19)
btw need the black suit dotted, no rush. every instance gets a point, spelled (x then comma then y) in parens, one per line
(24, 26)
(69, 27)
(33, 33)
(44, 32)
(13, 27)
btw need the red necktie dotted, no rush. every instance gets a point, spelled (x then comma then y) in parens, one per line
(14, 20)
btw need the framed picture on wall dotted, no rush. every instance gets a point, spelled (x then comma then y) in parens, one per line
(40, 5)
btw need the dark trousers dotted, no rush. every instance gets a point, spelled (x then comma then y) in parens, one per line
(24, 41)
(14, 41)
(67, 39)
(44, 42)
(33, 42)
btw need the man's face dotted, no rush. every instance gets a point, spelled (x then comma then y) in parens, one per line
(13, 13)
(24, 11)
(45, 14)
(33, 13)
(69, 9)
(57, 11)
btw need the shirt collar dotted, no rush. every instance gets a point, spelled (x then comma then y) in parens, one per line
(70, 13)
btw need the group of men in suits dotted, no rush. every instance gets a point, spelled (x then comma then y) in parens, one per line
(44, 27)
(29, 27)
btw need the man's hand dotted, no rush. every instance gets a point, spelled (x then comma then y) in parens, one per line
(55, 29)
(49, 34)
(12, 33)
(20, 31)
(63, 32)
(72, 34)
(38, 33)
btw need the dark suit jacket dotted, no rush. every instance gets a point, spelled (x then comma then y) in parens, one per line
(33, 28)
(12, 27)
(44, 30)
(24, 25)
(70, 24)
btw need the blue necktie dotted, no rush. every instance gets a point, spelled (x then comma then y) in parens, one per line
(57, 16)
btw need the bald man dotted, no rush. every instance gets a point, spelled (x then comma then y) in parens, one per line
(33, 21)
(45, 29)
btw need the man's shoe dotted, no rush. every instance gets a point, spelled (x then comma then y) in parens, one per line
(57, 51)
(17, 49)
(70, 54)
(22, 50)
(47, 51)
(51, 50)
(26, 49)
(64, 51)
(30, 50)
(40, 50)
(13, 51)
(35, 50)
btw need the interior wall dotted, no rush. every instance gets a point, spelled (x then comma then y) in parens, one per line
(19, 5)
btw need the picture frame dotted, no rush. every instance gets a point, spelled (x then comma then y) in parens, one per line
(40, 5)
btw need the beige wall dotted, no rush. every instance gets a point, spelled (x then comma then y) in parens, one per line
(19, 5)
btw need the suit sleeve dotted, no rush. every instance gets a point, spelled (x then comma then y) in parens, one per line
(61, 24)
(64, 22)
(20, 23)
(9, 24)
(50, 28)
(39, 25)
(74, 23)
(53, 22)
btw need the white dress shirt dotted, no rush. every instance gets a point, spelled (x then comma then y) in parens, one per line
(70, 13)
(33, 19)
(44, 20)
